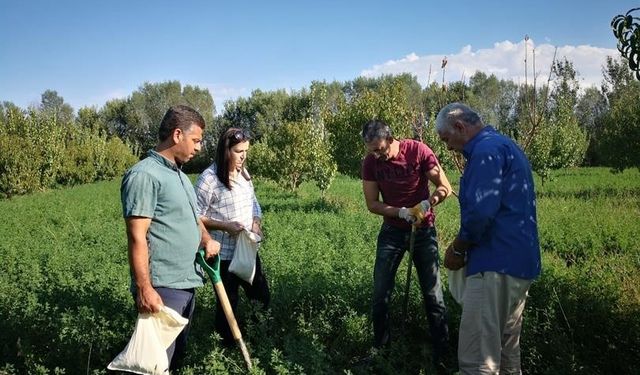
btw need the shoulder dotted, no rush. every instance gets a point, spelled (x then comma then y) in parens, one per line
(144, 169)
(494, 143)
(368, 161)
(420, 149)
(209, 173)
(208, 179)
(412, 144)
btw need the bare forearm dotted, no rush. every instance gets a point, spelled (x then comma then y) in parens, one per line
(382, 209)
(212, 224)
(204, 233)
(440, 194)
(139, 264)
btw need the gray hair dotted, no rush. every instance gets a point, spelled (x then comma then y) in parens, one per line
(376, 129)
(456, 112)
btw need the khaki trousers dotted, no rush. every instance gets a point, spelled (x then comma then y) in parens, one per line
(491, 322)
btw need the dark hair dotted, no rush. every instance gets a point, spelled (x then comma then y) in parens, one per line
(376, 129)
(179, 116)
(228, 139)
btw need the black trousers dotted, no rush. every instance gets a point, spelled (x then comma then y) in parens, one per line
(258, 291)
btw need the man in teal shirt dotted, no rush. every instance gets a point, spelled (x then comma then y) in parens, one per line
(163, 230)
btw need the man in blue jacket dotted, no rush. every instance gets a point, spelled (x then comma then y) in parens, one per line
(497, 241)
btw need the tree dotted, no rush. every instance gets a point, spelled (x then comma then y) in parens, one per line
(136, 119)
(619, 137)
(592, 106)
(626, 29)
(53, 105)
(485, 96)
(89, 118)
(265, 111)
(388, 103)
(293, 153)
(569, 140)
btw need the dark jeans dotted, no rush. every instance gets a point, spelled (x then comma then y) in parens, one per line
(392, 244)
(182, 301)
(258, 291)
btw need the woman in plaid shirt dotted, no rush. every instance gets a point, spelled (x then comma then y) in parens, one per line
(227, 205)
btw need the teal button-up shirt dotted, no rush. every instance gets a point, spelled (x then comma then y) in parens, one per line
(156, 188)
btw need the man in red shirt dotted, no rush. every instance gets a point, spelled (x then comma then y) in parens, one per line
(395, 177)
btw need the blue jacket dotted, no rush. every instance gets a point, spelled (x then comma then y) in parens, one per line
(498, 207)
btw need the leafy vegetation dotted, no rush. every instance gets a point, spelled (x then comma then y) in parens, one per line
(626, 29)
(66, 307)
(38, 150)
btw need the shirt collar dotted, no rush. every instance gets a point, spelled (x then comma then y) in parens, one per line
(467, 149)
(162, 160)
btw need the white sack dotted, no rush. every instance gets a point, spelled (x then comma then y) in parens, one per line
(146, 352)
(243, 263)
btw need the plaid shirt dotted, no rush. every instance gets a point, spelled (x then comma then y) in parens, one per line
(217, 202)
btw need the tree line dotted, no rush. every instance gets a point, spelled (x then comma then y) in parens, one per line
(312, 133)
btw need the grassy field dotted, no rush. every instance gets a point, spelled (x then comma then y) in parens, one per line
(65, 305)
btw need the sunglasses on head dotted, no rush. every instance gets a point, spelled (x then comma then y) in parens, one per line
(241, 135)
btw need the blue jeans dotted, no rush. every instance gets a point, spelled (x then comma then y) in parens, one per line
(392, 244)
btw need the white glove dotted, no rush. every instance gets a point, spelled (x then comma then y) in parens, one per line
(423, 206)
(415, 214)
(404, 213)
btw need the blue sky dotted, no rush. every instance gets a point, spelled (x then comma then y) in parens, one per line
(94, 51)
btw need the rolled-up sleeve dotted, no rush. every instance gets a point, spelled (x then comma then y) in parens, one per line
(257, 211)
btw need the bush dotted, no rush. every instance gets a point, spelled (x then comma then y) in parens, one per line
(19, 166)
(38, 152)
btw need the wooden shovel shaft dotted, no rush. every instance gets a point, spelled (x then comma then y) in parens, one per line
(405, 307)
(233, 324)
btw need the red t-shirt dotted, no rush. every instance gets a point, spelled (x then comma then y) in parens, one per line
(403, 180)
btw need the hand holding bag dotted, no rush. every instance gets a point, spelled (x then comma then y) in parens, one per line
(243, 263)
(146, 352)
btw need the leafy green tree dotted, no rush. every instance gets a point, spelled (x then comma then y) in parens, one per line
(547, 127)
(114, 116)
(89, 118)
(388, 103)
(626, 28)
(592, 106)
(293, 153)
(264, 111)
(136, 119)
(619, 137)
(485, 96)
(53, 105)
(569, 140)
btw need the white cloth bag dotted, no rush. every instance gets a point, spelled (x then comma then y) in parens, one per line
(457, 280)
(243, 263)
(146, 352)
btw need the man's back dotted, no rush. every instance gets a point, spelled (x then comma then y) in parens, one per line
(498, 204)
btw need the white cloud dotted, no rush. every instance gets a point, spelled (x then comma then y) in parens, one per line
(505, 60)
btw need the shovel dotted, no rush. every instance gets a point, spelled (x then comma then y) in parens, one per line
(212, 267)
(420, 209)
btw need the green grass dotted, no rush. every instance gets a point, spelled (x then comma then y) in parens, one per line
(65, 304)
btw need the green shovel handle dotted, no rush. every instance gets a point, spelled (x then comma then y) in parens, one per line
(211, 267)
